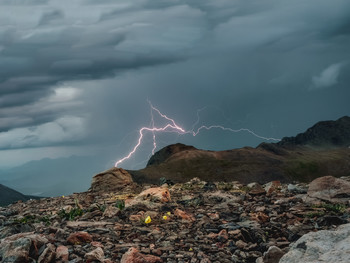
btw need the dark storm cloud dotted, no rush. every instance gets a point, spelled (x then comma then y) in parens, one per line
(195, 51)
(49, 47)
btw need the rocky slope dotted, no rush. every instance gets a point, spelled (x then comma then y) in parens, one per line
(118, 220)
(321, 150)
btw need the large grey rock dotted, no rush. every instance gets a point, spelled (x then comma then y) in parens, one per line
(19, 247)
(111, 180)
(329, 188)
(322, 246)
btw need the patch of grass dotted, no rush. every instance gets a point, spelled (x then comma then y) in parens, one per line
(120, 204)
(72, 214)
(302, 169)
(30, 219)
(327, 209)
(244, 189)
(335, 208)
(315, 214)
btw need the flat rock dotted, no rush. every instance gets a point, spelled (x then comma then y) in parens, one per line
(329, 188)
(134, 256)
(322, 246)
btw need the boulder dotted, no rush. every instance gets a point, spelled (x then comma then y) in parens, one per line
(158, 194)
(331, 189)
(111, 180)
(134, 256)
(19, 247)
(322, 246)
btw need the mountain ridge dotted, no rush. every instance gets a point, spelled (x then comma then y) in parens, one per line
(321, 150)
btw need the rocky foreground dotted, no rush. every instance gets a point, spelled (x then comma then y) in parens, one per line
(120, 221)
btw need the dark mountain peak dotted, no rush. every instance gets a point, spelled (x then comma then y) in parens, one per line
(163, 154)
(8, 195)
(323, 134)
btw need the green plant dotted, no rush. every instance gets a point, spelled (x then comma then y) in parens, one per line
(120, 204)
(315, 214)
(103, 207)
(30, 219)
(335, 208)
(70, 215)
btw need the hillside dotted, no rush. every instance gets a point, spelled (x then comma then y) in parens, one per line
(323, 134)
(8, 196)
(322, 150)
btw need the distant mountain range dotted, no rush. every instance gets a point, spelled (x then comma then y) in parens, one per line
(8, 196)
(322, 150)
(53, 177)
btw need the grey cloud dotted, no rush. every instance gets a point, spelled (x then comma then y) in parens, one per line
(24, 2)
(50, 16)
(328, 77)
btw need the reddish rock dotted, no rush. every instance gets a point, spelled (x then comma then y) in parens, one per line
(155, 194)
(134, 256)
(223, 234)
(260, 217)
(62, 253)
(329, 188)
(272, 187)
(79, 238)
(111, 180)
(184, 216)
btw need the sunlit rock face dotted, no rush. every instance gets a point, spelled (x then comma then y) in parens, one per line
(111, 180)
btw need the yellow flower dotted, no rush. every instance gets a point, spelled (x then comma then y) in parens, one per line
(165, 217)
(148, 220)
(62, 196)
(191, 249)
(168, 213)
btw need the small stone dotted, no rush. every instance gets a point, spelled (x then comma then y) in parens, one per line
(272, 255)
(79, 238)
(111, 211)
(241, 244)
(62, 253)
(256, 189)
(95, 255)
(184, 216)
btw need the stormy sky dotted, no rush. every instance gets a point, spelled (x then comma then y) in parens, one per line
(76, 75)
